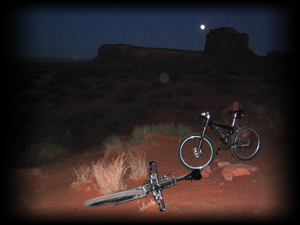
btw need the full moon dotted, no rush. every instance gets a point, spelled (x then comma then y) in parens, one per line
(202, 26)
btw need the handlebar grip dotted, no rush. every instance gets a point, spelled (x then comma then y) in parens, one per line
(153, 164)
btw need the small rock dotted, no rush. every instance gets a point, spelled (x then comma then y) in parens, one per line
(222, 164)
(204, 173)
(228, 176)
(207, 169)
(238, 169)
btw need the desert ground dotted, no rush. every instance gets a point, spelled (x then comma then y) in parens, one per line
(74, 107)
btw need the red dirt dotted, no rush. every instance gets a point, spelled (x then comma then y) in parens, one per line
(265, 195)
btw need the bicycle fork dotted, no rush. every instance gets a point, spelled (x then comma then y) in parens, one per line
(197, 151)
(156, 189)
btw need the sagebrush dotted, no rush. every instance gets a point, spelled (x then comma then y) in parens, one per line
(109, 174)
(138, 165)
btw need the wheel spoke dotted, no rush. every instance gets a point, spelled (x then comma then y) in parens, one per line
(189, 155)
(246, 143)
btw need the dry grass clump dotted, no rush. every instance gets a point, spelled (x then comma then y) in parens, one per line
(138, 165)
(109, 175)
(145, 206)
(82, 174)
(113, 144)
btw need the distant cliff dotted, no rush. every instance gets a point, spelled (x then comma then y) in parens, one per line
(225, 48)
(117, 51)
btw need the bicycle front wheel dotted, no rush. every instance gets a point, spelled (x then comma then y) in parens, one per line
(188, 153)
(246, 143)
(117, 198)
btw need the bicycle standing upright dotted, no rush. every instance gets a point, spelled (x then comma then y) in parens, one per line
(197, 150)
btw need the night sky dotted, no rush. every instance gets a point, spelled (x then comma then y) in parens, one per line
(65, 31)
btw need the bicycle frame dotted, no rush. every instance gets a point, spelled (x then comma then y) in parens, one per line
(226, 140)
(229, 133)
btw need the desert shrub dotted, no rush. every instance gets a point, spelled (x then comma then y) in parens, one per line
(75, 124)
(167, 94)
(109, 175)
(184, 104)
(187, 90)
(72, 124)
(124, 97)
(91, 116)
(43, 150)
(157, 102)
(278, 121)
(135, 88)
(82, 173)
(140, 133)
(155, 83)
(90, 95)
(106, 87)
(113, 143)
(216, 76)
(222, 88)
(138, 165)
(130, 112)
(146, 205)
(109, 126)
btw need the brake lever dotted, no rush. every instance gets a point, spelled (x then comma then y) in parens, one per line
(156, 187)
(161, 204)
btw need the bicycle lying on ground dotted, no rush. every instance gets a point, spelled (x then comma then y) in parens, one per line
(155, 185)
(196, 151)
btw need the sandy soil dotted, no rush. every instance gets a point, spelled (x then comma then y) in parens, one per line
(46, 194)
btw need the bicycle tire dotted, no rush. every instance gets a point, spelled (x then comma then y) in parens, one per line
(186, 151)
(247, 139)
(117, 198)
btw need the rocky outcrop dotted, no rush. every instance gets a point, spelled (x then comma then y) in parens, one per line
(228, 50)
(226, 40)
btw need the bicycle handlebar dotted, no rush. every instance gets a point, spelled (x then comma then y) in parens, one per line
(157, 185)
(167, 181)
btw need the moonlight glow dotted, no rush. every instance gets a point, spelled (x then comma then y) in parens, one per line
(202, 26)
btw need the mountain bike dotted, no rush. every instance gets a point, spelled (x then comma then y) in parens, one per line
(155, 185)
(196, 151)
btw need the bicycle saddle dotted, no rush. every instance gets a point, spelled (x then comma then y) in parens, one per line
(236, 111)
(239, 113)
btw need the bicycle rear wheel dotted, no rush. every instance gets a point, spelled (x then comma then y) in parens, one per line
(188, 153)
(117, 198)
(246, 143)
